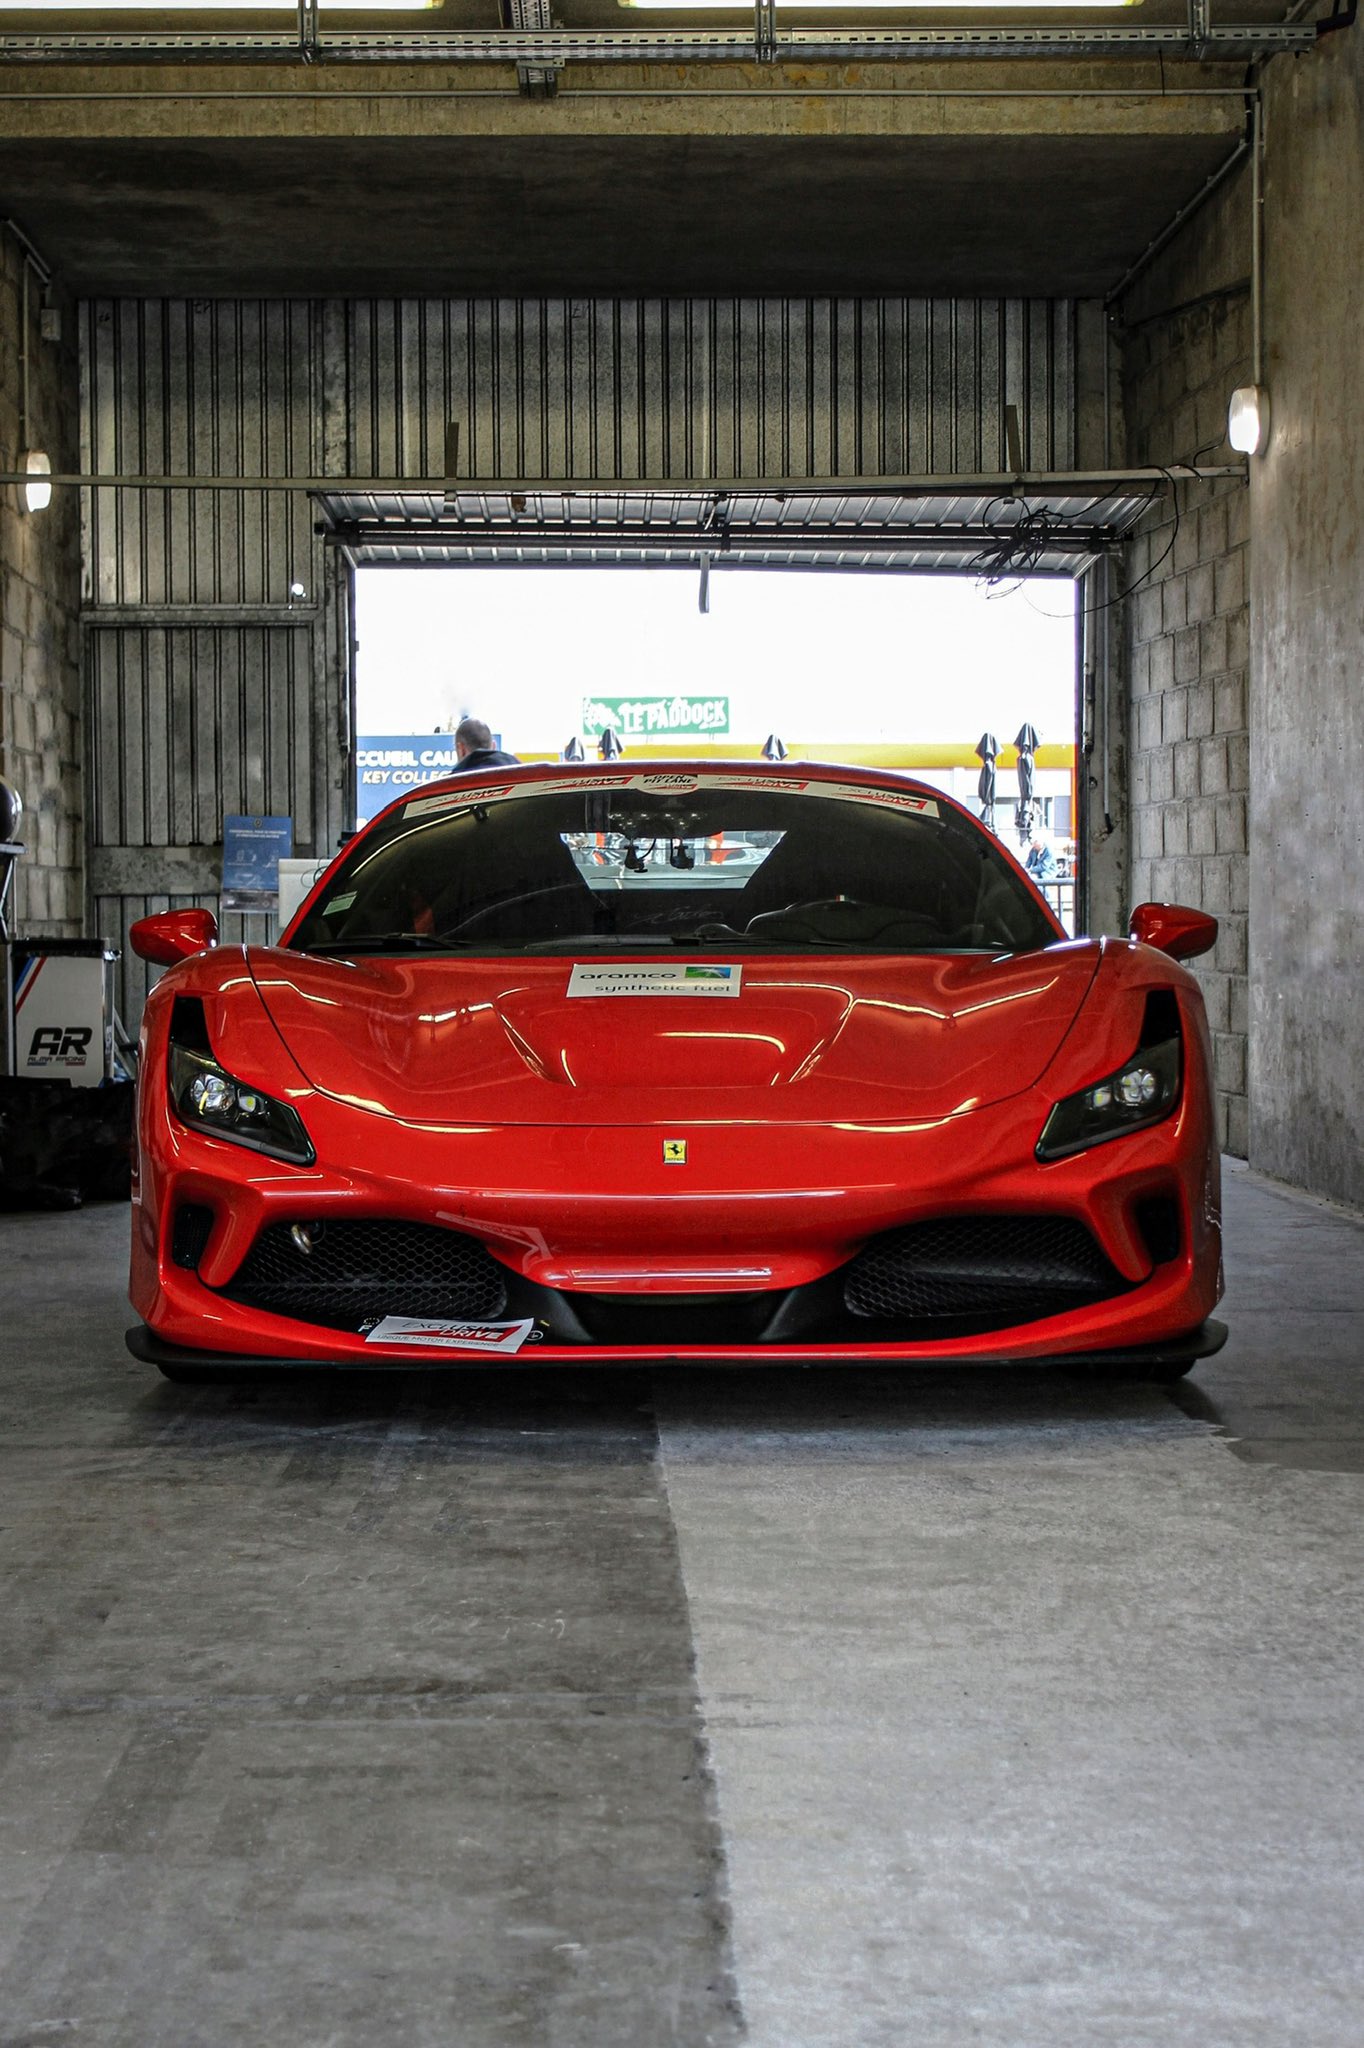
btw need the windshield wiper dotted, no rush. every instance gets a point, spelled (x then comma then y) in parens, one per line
(719, 937)
(719, 940)
(389, 942)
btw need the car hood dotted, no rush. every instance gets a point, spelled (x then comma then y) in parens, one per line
(499, 1040)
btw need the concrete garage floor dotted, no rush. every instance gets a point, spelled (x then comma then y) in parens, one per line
(814, 1710)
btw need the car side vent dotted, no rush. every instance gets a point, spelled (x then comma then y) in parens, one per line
(1158, 1221)
(189, 1025)
(190, 1234)
(1161, 1022)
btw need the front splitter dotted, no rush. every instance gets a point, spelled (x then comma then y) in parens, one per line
(1171, 1355)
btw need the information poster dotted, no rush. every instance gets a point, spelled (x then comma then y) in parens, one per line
(252, 851)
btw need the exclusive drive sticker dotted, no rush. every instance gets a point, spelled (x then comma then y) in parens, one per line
(501, 1340)
(455, 799)
(894, 799)
(644, 978)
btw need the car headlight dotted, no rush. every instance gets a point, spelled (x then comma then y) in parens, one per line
(207, 1099)
(1143, 1091)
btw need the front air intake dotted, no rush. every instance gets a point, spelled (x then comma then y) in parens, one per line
(348, 1275)
(190, 1234)
(985, 1271)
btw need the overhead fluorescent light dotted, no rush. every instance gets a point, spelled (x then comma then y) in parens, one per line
(212, 6)
(870, 6)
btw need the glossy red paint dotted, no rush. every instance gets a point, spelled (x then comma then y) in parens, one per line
(1174, 928)
(840, 1096)
(428, 1038)
(173, 935)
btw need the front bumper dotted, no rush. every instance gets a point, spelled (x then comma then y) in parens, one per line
(761, 1208)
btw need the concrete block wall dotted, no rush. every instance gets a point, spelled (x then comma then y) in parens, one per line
(1185, 339)
(40, 690)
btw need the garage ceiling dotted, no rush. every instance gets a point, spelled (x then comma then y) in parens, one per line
(602, 216)
(231, 168)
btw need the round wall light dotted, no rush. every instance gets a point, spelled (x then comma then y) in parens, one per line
(37, 491)
(1248, 419)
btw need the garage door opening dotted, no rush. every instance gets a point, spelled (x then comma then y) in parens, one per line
(900, 671)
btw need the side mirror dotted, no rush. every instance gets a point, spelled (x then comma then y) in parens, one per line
(173, 935)
(1174, 929)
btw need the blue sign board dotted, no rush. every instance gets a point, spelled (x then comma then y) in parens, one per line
(391, 764)
(252, 851)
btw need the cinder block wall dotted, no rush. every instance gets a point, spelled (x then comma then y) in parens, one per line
(1185, 340)
(40, 696)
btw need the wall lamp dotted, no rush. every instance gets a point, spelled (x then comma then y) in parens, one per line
(37, 467)
(34, 462)
(1248, 412)
(1248, 419)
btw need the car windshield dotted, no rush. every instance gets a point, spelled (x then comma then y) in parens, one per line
(680, 860)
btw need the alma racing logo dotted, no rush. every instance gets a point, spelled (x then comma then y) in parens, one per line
(62, 1045)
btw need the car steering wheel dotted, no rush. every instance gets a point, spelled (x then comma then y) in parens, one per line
(506, 902)
(837, 918)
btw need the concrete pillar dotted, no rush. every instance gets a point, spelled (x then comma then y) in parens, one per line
(1306, 923)
(40, 739)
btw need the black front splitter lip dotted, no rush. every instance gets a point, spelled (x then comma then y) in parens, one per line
(1170, 1354)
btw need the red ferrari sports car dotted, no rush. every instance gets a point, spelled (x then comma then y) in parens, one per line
(707, 1062)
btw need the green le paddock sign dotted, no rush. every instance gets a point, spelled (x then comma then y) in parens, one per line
(645, 718)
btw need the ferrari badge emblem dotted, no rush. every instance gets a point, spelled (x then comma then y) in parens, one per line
(674, 1151)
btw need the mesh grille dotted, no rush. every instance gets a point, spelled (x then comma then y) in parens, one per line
(358, 1272)
(189, 1237)
(1158, 1222)
(1000, 1269)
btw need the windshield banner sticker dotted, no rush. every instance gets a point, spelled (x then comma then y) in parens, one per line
(786, 785)
(666, 978)
(501, 1339)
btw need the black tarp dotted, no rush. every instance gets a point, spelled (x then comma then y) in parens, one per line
(61, 1146)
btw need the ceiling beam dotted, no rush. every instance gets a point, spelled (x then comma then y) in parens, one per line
(542, 46)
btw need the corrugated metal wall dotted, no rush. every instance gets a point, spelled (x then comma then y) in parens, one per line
(707, 388)
(200, 388)
(210, 690)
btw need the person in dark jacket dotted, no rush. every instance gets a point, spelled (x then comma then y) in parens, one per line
(474, 747)
(1041, 861)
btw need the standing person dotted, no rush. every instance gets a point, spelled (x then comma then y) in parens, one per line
(474, 747)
